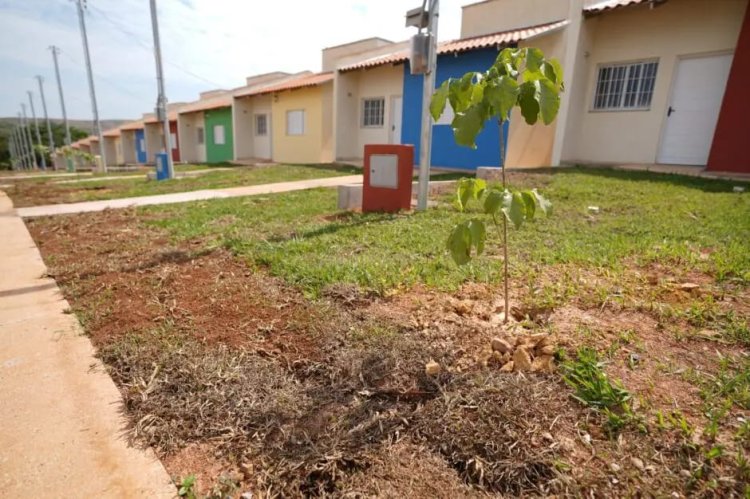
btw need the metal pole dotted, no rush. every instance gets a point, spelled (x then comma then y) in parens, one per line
(161, 100)
(19, 146)
(29, 141)
(425, 144)
(94, 109)
(55, 51)
(36, 127)
(50, 138)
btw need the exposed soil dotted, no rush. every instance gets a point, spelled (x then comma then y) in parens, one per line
(236, 377)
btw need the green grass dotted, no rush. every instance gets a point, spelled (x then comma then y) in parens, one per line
(643, 218)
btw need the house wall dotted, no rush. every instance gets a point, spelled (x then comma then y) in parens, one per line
(310, 147)
(219, 153)
(445, 152)
(502, 15)
(110, 149)
(676, 29)
(155, 140)
(729, 150)
(140, 146)
(127, 138)
(247, 144)
(190, 150)
(352, 88)
(531, 145)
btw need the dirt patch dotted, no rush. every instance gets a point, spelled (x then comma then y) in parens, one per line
(239, 378)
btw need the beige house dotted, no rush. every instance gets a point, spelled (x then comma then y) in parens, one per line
(645, 79)
(113, 147)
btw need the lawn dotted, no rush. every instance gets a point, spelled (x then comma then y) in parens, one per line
(37, 191)
(275, 345)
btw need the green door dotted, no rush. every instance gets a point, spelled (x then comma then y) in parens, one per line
(219, 135)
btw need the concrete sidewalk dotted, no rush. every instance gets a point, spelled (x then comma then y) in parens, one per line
(182, 197)
(61, 429)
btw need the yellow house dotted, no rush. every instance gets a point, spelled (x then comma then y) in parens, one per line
(302, 119)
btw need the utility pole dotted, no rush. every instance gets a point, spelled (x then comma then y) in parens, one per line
(50, 138)
(425, 144)
(56, 51)
(161, 100)
(12, 150)
(19, 145)
(36, 127)
(27, 135)
(80, 4)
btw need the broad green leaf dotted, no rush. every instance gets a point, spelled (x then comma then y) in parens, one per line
(549, 100)
(542, 202)
(517, 209)
(502, 96)
(459, 243)
(534, 59)
(529, 200)
(477, 92)
(558, 72)
(468, 189)
(460, 91)
(493, 202)
(467, 125)
(437, 104)
(478, 235)
(528, 102)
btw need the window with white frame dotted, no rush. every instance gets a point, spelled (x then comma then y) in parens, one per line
(173, 140)
(625, 86)
(295, 122)
(219, 138)
(261, 124)
(373, 112)
(200, 137)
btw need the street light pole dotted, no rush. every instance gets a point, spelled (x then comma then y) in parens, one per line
(50, 138)
(27, 135)
(36, 127)
(55, 51)
(161, 100)
(428, 88)
(95, 110)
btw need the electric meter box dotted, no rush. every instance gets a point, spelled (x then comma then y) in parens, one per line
(387, 177)
(419, 53)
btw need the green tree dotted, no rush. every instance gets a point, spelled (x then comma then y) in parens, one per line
(521, 78)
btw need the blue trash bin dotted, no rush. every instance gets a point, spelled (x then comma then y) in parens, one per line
(162, 168)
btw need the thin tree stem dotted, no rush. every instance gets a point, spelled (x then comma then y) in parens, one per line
(505, 223)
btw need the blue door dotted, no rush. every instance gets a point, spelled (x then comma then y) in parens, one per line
(140, 147)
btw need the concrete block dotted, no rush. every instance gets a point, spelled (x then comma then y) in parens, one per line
(350, 197)
(490, 173)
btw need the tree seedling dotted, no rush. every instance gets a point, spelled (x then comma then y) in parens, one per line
(519, 77)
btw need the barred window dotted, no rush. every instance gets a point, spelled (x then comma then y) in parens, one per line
(200, 137)
(373, 111)
(625, 86)
(261, 124)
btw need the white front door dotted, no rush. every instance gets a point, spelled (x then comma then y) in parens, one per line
(694, 109)
(262, 136)
(394, 136)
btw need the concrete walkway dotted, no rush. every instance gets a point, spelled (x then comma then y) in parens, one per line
(182, 197)
(25, 176)
(61, 430)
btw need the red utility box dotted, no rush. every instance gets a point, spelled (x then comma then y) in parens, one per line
(388, 177)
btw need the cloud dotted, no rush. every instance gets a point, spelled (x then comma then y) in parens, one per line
(205, 44)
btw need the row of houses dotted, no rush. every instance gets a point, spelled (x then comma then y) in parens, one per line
(647, 81)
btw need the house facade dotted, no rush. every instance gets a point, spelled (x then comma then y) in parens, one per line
(206, 128)
(113, 147)
(154, 135)
(646, 81)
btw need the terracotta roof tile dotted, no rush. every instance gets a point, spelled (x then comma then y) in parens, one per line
(206, 104)
(462, 45)
(133, 125)
(306, 80)
(603, 5)
(115, 132)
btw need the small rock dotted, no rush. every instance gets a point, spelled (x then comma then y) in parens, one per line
(507, 367)
(614, 467)
(432, 368)
(543, 363)
(548, 436)
(689, 286)
(650, 469)
(638, 463)
(547, 350)
(462, 307)
(567, 444)
(686, 474)
(501, 345)
(246, 495)
(521, 360)
(536, 339)
(593, 209)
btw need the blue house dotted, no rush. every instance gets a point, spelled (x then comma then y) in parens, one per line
(445, 151)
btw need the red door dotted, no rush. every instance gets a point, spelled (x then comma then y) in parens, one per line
(175, 141)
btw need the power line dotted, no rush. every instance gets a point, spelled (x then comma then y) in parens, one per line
(149, 47)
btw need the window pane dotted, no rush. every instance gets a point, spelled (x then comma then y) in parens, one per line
(295, 122)
(625, 86)
(219, 135)
(261, 124)
(199, 131)
(373, 112)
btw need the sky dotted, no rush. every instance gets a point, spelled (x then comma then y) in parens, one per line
(206, 44)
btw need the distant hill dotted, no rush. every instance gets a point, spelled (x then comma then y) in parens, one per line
(86, 125)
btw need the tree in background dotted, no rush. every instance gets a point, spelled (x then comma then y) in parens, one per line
(58, 134)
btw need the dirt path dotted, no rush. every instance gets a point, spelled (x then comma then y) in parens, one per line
(62, 428)
(182, 197)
